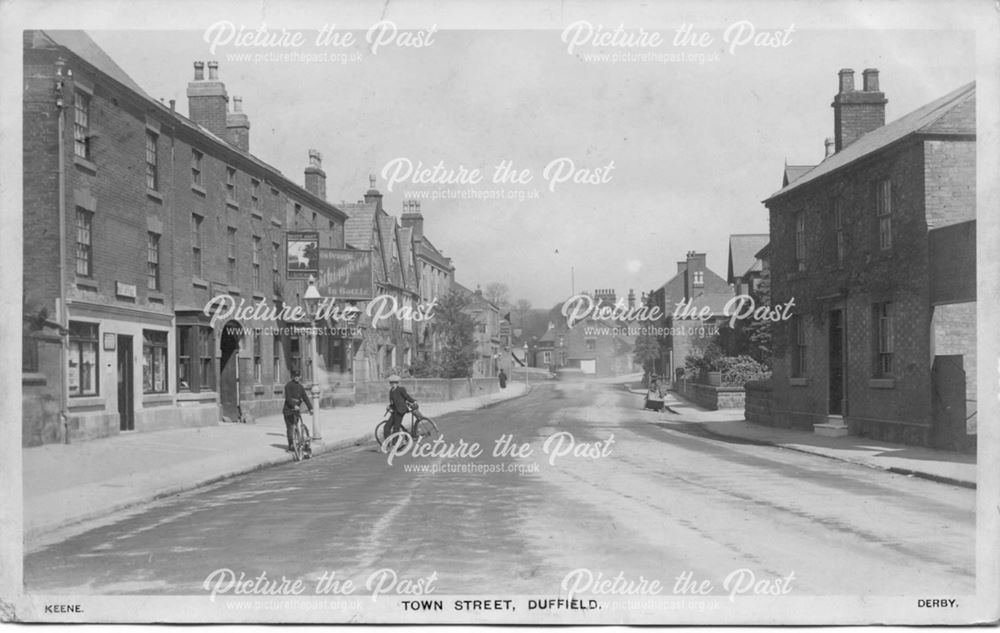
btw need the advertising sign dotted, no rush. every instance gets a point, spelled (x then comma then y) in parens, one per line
(346, 274)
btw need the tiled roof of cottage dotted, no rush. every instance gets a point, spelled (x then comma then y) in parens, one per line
(954, 113)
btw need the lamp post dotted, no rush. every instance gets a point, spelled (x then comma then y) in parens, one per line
(312, 299)
(526, 364)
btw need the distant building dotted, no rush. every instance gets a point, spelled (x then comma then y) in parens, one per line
(876, 245)
(486, 315)
(745, 267)
(694, 289)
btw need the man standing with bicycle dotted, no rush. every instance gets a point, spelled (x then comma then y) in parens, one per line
(399, 401)
(295, 395)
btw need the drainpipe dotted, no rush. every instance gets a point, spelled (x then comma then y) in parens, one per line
(62, 77)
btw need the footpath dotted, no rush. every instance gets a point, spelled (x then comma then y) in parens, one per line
(67, 484)
(948, 467)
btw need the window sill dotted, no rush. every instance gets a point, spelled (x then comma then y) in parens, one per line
(198, 282)
(156, 296)
(85, 164)
(798, 382)
(257, 215)
(232, 203)
(198, 189)
(258, 390)
(258, 296)
(86, 284)
(278, 389)
(196, 396)
(154, 194)
(153, 399)
(882, 383)
(275, 221)
(85, 402)
(235, 290)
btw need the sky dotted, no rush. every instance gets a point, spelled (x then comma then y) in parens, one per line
(678, 154)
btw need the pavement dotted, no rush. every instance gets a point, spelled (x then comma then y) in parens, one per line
(949, 467)
(66, 485)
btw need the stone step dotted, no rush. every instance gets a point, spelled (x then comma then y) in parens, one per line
(833, 428)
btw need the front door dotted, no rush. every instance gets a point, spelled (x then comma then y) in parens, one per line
(126, 394)
(836, 356)
(229, 373)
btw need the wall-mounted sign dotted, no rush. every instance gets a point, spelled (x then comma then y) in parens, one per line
(302, 254)
(346, 274)
(109, 341)
(125, 290)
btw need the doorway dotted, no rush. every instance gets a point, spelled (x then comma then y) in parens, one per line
(229, 372)
(126, 388)
(836, 359)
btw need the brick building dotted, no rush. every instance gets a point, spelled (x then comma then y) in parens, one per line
(876, 245)
(486, 315)
(435, 274)
(698, 288)
(134, 218)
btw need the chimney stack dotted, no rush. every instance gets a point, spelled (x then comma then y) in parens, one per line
(238, 126)
(857, 112)
(373, 195)
(412, 218)
(315, 176)
(207, 99)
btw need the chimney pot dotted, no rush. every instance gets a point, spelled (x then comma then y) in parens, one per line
(871, 80)
(213, 71)
(831, 146)
(237, 104)
(846, 80)
(199, 71)
(315, 158)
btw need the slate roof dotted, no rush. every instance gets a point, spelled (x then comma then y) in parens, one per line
(743, 249)
(88, 50)
(954, 113)
(387, 232)
(359, 227)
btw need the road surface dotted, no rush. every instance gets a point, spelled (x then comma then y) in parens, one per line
(646, 496)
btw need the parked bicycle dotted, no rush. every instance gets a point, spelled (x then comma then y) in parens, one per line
(301, 440)
(420, 426)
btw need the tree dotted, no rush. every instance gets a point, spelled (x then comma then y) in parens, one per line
(521, 309)
(647, 352)
(498, 294)
(757, 337)
(458, 328)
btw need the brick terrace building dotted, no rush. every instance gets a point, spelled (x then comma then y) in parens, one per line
(134, 217)
(876, 244)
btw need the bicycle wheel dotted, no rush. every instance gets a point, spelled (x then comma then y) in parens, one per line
(424, 428)
(380, 431)
(297, 441)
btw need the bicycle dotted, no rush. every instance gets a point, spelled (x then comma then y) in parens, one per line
(420, 426)
(300, 439)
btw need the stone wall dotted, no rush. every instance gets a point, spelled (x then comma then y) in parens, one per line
(712, 398)
(758, 403)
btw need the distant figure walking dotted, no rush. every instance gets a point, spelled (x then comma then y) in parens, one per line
(503, 379)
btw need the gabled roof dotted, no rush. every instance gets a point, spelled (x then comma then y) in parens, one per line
(743, 250)
(425, 248)
(952, 114)
(390, 249)
(793, 173)
(359, 228)
(88, 50)
(405, 234)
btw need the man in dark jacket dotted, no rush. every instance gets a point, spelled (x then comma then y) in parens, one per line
(295, 395)
(399, 401)
(502, 376)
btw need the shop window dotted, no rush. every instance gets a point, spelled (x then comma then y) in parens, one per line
(154, 361)
(83, 359)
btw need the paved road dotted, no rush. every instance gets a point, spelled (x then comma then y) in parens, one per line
(660, 500)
